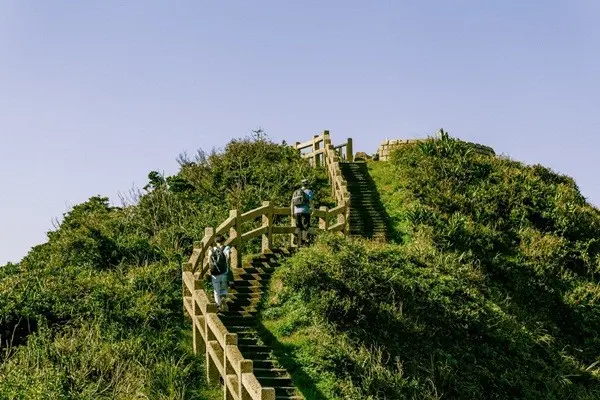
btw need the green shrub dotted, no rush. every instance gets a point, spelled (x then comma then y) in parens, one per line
(488, 291)
(96, 311)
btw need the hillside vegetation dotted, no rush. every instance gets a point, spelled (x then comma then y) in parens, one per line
(96, 312)
(489, 291)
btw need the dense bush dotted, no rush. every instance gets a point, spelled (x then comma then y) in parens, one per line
(96, 311)
(490, 291)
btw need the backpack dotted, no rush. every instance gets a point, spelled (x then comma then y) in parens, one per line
(218, 261)
(300, 198)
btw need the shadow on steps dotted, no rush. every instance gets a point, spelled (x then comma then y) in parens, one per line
(368, 217)
(272, 362)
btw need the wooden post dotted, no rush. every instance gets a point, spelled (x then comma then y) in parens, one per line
(267, 393)
(293, 223)
(317, 147)
(185, 267)
(209, 234)
(234, 260)
(267, 220)
(315, 142)
(238, 241)
(347, 215)
(212, 372)
(324, 222)
(196, 312)
(227, 392)
(246, 366)
(349, 153)
(231, 339)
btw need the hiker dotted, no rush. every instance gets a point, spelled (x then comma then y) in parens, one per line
(218, 257)
(302, 201)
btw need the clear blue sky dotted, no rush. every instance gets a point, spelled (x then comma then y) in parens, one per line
(95, 94)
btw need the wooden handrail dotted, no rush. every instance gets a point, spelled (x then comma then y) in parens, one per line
(223, 356)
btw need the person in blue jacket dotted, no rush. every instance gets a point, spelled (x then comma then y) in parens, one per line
(302, 204)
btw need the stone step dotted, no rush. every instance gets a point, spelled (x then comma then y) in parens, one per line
(243, 296)
(236, 320)
(276, 382)
(271, 372)
(256, 276)
(264, 364)
(241, 309)
(246, 341)
(254, 348)
(256, 355)
(246, 289)
(251, 271)
(366, 221)
(285, 391)
(248, 283)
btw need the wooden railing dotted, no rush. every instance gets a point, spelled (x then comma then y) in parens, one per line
(317, 147)
(232, 226)
(323, 152)
(210, 336)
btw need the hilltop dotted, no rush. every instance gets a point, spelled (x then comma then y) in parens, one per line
(488, 288)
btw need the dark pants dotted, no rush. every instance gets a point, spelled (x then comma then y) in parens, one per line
(302, 222)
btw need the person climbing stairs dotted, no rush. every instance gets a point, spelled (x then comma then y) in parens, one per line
(250, 281)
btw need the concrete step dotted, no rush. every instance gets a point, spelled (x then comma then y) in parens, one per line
(246, 289)
(285, 391)
(264, 363)
(276, 382)
(271, 372)
(257, 276)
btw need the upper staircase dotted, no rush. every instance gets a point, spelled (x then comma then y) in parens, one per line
(367, 215)
(239, 351)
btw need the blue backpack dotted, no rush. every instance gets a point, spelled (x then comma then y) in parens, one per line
(300, 198)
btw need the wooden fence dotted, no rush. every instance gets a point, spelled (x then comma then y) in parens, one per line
(317, 147)
(210, 336)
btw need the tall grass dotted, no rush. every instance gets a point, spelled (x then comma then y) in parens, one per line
(489, 290)
(96, 312)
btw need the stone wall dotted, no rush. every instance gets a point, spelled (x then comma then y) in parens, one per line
(385, 148)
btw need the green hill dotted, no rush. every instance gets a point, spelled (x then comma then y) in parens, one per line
(489, 290)
(96, 312)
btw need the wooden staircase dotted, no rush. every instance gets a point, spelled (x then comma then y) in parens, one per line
(239, 317)
(367, 214)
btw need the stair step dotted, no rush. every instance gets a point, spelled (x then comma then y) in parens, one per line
(254, 348)
(256, 355)
(276, 382)
(246, 289)
(247, 341)
(254, 276)
(264, 364)
(285, 390)
(271, 372)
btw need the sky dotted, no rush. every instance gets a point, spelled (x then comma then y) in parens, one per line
(94, 95)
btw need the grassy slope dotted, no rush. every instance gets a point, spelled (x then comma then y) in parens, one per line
(491, 290)
(96, 311)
